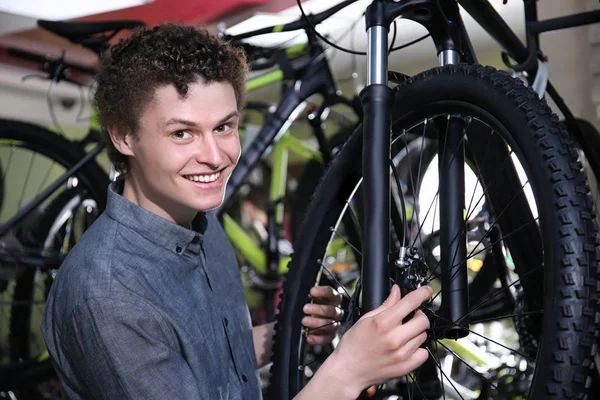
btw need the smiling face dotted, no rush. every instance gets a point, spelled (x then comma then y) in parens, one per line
(184, 151)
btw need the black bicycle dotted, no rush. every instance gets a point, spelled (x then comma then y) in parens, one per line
(460, 177)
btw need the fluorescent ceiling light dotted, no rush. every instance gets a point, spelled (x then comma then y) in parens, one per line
(64, 9)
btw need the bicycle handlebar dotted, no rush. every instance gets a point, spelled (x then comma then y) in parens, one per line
(301, 23)
(53, 66)
(261, 58)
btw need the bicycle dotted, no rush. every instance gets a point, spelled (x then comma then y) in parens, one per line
(525, 315)
(36, 237)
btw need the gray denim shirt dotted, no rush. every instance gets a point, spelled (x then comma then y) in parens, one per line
(145, 309)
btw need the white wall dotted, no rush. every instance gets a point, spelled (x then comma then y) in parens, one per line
(28, 100)
(569, 54)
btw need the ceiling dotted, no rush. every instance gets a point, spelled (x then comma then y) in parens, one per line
(20, 31)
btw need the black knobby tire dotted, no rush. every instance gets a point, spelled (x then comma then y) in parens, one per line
(592, 148)
(568, 231)
(23, 368)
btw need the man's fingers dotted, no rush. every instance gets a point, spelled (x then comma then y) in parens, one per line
(324, 311)
(417, 324)
(391, 300)
(408, 304)
(320, 340)
(326, 295)
(415, 361)
(413, 344)
(319, 325)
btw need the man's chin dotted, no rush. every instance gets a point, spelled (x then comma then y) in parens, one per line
(208, 206)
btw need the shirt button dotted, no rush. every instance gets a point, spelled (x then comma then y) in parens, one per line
(226, 321)
(244, 378)
(196, 239)
(178, 249)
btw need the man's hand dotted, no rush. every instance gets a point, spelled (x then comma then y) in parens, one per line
(396, 350)
(379, 347)
(322, 315)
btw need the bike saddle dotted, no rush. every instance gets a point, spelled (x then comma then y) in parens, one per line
(83, 32)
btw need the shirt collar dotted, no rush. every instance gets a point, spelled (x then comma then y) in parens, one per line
(156, 229)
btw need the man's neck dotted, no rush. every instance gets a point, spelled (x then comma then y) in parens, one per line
(143, 198)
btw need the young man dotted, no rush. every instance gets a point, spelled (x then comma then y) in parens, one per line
(149, 303)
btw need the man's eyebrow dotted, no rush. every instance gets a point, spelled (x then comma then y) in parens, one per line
(229, 116)
(192, 124)
(179, 121)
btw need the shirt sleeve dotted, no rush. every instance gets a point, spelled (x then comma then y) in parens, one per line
(119, 350)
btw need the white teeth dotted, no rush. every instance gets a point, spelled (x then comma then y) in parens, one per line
(204, 178)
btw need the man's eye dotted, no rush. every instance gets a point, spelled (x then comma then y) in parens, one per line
(222, 128)
(182, 134)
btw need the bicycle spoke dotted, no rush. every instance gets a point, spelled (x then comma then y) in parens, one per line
(8, 164)
(323, 326)
(501, 345)
(332, 229)
(489, 298)
(515, 196)
(478, 169)
(412, 182)
(435, 340)
(497, 218)
(454, 153)
(468, 365)
(485, 338)
(415, 384)
(486, 189)
(402, 214)
(434, 201)
(420, 183)
(20, 203)
(490, 228)
(503, 237)
(489, 246)
(324, 268)
(480, 321)
(444, 374)
(46, 176)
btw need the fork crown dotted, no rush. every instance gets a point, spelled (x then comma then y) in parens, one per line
(437, 19)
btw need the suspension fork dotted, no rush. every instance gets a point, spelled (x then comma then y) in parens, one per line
(377, 100)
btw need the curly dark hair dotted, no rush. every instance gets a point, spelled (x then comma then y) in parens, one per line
(169, 54)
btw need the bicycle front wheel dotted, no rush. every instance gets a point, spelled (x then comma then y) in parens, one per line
(530, 239)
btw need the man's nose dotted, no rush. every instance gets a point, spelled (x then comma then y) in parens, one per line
(208, 151)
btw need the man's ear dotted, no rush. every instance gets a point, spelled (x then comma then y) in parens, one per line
(121, 140)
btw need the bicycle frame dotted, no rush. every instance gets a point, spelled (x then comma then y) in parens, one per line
(527, 56)
(310, 76)
(252, 253)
